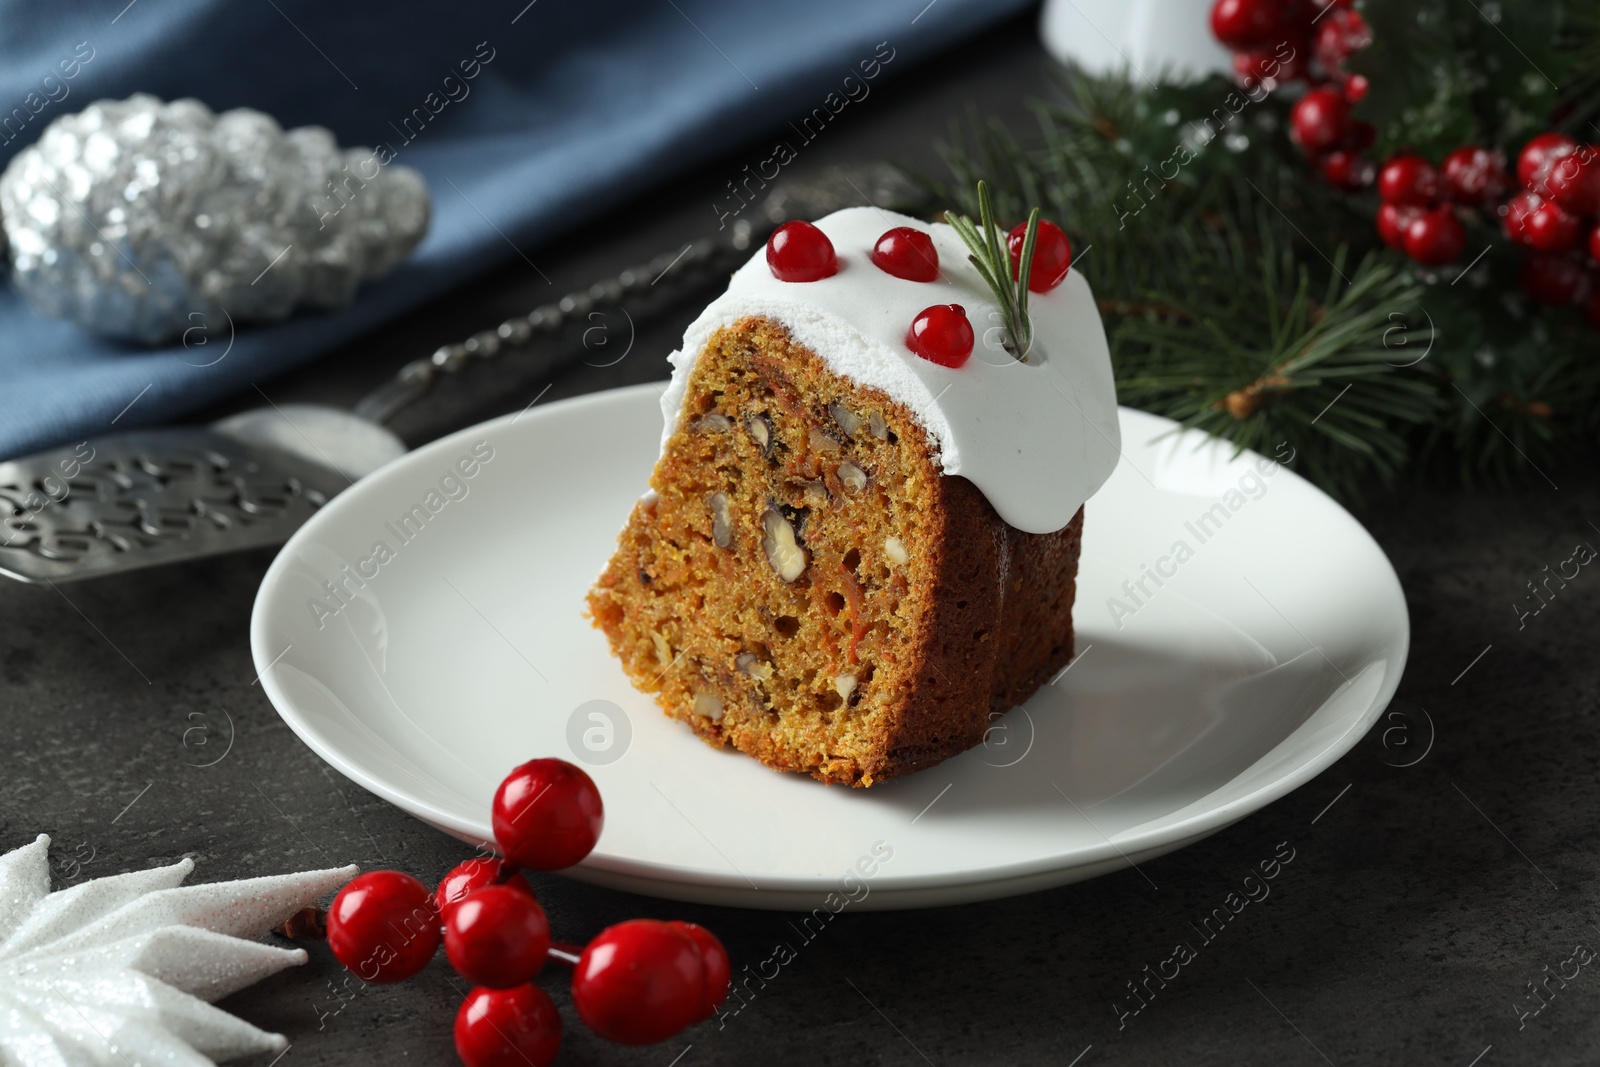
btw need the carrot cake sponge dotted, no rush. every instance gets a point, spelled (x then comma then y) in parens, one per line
(860, 542)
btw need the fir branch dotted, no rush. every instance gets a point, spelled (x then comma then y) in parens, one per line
(992, 259)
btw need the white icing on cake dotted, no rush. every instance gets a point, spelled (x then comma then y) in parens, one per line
(1036, 438)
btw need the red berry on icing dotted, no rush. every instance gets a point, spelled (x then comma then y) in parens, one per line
(508, 1028)
(1242, 24)
(1474, 175)
(1537, 151)
(1540, 224)
(1552, 279)
(497, 937)
(1408, 179)
(383, 927)
(640, 982)
(799, 252)
(719, 971)
(1393, 220)
(1320, 119)
(547, 815)
(1572, 180)
(1347, 170)
(475, 874)
(941, 334)
(907, 253)
(1052, 255)
(1435, 237)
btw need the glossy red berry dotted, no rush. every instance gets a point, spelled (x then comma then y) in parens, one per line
(1052, 255)
(383, 927)
(718, 968)
(1340, 34)
(1347, 170)
(941, 334)
(1474, 176)
(1408, 179)
(497, 937)
(640, 982)
(508, 1028)
(1552, 279)
(1393, 220)
(474, 874)
(547, 815)
(1435, 237)
(799, 252)
(1355, 88)
(1572, 180)
(1242, 24)
(907, 253)
(1320, 119)
(1537, 151)
(1273, 65)
(1540, 224)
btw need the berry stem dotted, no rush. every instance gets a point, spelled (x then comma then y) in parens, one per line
(566, 952)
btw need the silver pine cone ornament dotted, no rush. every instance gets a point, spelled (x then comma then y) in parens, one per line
(137, 219)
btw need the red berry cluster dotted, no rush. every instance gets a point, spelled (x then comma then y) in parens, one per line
(1279, 41)
(1307, 40)
(800, 252)
(1553, 215)
(638, 982)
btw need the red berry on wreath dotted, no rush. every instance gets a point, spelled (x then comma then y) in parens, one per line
(1355, 88)
(1269, 65)
(1393, 220)
(799, 252)
(1242, 24)
(1320, 119)
(1572, 180)
(547, 815)
(1347, 170)
(1537, 151)
(383, 927)
(640, 982)
(508, 1028)
(1552, 279)
(1340, 34)
(1408, 179)
(719, 971)
(497, 937)
(1474, 175)
(907, 253)
(1052, 255)
(1359, 137)
(473, 874)
(1435, 237)
(1537, 223)
(941, 334)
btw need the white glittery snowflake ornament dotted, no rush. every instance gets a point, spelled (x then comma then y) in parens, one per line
(119, 970)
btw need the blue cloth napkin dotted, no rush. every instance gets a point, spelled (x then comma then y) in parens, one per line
(576, 105)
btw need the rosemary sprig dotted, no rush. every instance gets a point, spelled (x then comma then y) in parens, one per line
(993, 263)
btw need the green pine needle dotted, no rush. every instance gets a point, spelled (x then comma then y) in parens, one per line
(992, 260)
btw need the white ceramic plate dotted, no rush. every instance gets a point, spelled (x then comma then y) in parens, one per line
(458, 649)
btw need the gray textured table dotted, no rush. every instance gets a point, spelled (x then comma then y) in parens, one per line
(1421, 902)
